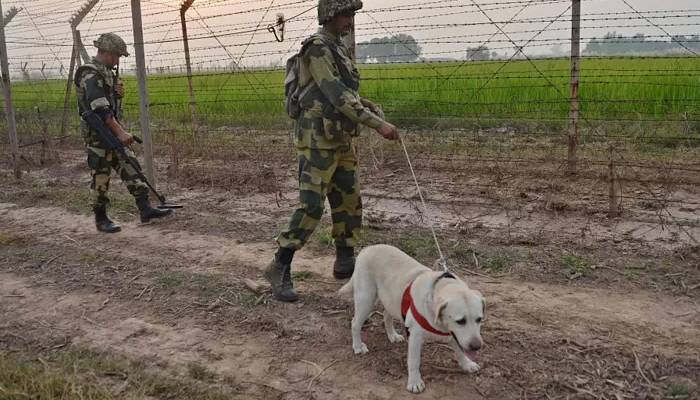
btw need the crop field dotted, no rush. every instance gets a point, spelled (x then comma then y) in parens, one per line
(450, 94)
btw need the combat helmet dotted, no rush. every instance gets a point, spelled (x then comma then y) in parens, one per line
(327, 9)
(112, 43)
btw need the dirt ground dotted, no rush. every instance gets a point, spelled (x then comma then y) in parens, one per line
(578, 305)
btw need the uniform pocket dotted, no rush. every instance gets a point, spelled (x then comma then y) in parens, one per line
(335, 124)
(96, 158)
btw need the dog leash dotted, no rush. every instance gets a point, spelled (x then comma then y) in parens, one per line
(443, 260)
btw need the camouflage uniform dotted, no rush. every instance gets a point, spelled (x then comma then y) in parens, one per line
(325, 88)
(323, 135)
(95, 90)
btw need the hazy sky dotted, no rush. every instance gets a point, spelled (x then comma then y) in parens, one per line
(222, 31)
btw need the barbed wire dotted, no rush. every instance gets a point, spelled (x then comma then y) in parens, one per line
(474, 98)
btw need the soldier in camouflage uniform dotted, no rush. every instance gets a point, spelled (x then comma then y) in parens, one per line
(331, 115)
(97, 91)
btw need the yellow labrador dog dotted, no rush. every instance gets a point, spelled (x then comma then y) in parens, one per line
(433, 305)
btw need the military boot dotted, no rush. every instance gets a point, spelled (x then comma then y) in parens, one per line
(147, 212)
(102, 221)
(280, 277)
(344, 264)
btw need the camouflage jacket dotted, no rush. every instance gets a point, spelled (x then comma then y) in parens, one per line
(332, 109)
(94, 89)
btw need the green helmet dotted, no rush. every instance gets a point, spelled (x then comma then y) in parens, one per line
(327, 9)
(112, 43)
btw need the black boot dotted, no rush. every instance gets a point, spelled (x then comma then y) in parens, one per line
(102, 221)
(344, 264)
(148, 212)
(280, 277)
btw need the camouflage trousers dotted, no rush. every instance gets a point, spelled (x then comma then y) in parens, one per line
(101, 163)
(325, 174)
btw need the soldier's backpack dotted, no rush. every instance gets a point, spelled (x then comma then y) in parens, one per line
(293, 91)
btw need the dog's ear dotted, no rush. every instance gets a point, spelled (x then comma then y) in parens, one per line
(438, 311)
(483, 303)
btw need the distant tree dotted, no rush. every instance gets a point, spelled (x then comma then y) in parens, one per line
(397, 48)
(614, 44)
(480, 53)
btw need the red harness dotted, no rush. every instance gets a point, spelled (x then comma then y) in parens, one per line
(407, 303)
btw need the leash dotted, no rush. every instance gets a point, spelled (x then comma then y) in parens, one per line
(443, 260)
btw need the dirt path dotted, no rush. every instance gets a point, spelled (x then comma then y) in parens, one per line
(115, 293)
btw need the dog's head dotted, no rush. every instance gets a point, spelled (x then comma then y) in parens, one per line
(461, 310)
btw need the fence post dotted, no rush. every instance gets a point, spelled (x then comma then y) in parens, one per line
(82, 52)
(143, 90)
(193, 105)
(575, 59)
(69, 85)
(613, 192)
(7, 92)
(74, 21)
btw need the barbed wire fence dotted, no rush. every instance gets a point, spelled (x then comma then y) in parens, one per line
(505, 111)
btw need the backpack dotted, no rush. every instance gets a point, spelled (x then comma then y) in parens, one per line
(293, 92)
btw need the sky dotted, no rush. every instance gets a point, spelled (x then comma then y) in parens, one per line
(223, 32)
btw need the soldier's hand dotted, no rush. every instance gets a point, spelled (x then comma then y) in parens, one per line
(125, 138)
(119, 89)
(388, 131)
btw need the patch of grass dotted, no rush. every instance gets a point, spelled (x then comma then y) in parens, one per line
(170, 280)
(206, 282)
(7, 239)
(302, 275)
(462, 251)
(631, 275)
(199, 372)
(576, 265)
(677, 390)
(418, 246)
(495, 263)
(325, 237)
(370, 236)
(78, 374)
(88, 257)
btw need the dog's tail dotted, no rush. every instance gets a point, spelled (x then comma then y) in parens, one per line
(346, 291)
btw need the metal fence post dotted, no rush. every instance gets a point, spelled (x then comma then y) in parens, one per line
(143, 90)
(575, 58)
(613, 192)
(69, 85)
(193, 105)
(74, 21)
(7, 92)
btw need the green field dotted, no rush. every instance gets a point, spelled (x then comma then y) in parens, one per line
(482, 94)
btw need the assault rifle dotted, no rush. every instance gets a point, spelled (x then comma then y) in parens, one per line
(109, 141)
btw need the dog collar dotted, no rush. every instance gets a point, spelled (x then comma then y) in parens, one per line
(408, 304)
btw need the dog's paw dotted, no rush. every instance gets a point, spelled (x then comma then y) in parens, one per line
(469, 366)
(396, 338)
(361, 349)
(415, 385)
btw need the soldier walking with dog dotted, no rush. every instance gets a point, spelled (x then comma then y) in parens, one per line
(99, 91)
(328, 111)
